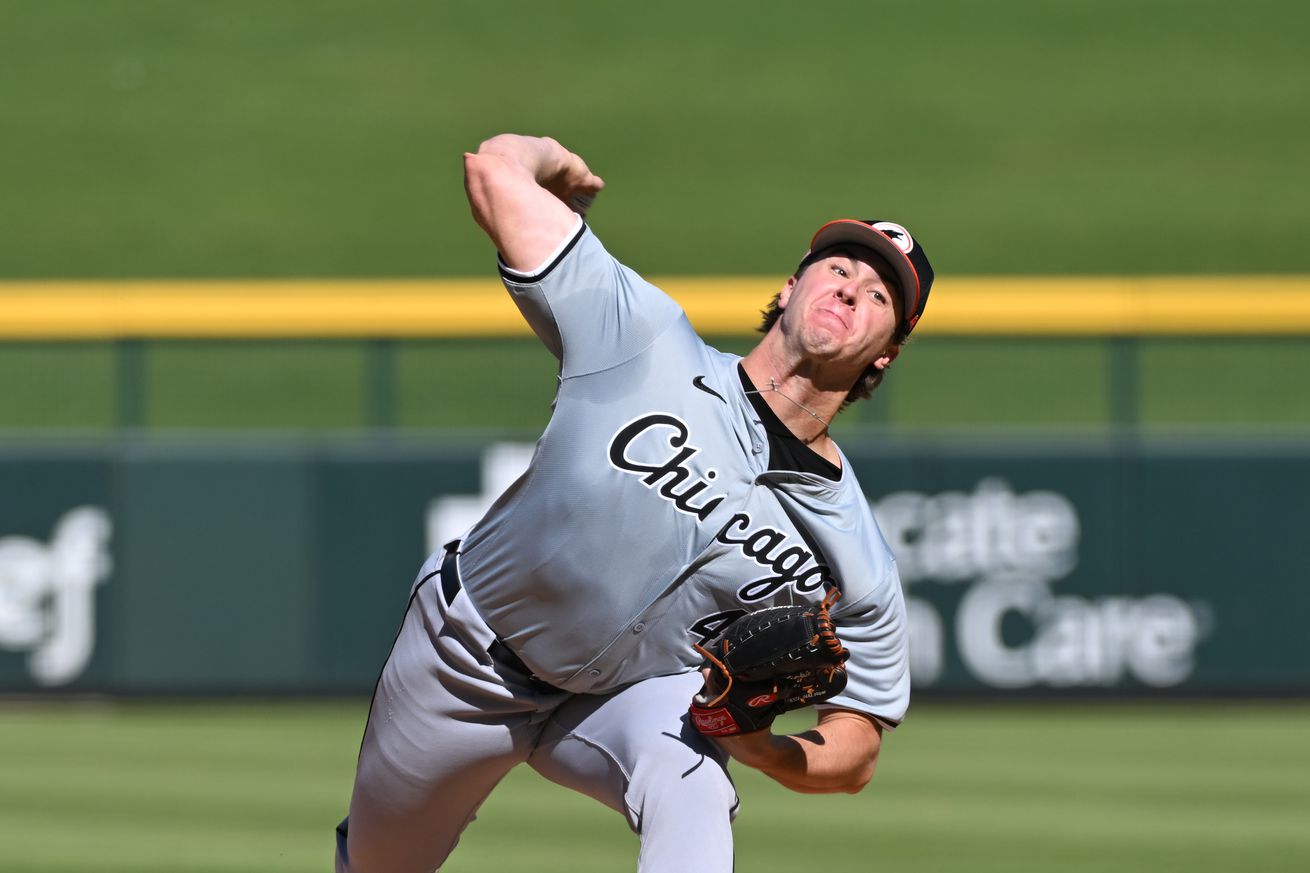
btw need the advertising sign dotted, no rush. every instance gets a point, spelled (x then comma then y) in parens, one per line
(1034, 569)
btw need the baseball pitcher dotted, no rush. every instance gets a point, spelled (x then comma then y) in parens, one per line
(687, 556)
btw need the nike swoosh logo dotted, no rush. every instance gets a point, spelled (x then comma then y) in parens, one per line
(699, 382)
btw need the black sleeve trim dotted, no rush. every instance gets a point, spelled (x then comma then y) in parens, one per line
(519, 279)
(889, 723)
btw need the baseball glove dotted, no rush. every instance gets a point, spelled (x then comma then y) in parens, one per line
(766, 663)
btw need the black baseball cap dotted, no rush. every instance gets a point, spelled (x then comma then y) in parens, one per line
(893, 242)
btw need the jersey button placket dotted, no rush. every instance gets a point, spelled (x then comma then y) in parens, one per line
(639, 627)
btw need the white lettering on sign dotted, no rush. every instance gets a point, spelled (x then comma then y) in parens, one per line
(1074, 640)
(956, 537)
(927, 641)
(450, 517)
(47, 605)
(1011, 629)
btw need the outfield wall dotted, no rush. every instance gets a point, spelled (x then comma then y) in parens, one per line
(1090, 353)
(1129, 567)
(961, 305)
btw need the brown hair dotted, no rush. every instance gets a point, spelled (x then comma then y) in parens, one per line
(872, 377)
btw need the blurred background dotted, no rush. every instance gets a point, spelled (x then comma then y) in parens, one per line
(255, 364)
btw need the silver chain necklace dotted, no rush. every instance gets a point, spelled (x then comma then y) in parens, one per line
(773, 386)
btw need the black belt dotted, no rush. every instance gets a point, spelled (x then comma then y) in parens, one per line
(499, 652)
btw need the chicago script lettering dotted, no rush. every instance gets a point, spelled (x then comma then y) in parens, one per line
(762, 546)
(668, 473)
(671, 470)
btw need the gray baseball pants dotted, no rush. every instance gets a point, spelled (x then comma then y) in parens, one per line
(448, 722)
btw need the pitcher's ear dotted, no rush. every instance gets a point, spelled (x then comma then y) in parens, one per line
(883, 361)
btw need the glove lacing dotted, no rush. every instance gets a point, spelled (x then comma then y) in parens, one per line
(827, 634)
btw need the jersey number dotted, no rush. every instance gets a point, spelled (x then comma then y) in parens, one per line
(709, 627)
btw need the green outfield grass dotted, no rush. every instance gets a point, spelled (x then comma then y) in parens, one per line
(298, 138)
(323, 137)
(1141, 788)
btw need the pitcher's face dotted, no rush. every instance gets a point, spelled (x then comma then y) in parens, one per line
(841, 310)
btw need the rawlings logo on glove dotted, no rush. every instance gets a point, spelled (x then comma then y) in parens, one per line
(766, 663)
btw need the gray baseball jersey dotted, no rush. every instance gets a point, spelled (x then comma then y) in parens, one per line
(649, 519)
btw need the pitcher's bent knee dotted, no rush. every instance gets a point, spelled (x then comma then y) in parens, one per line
(689, 788)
